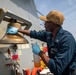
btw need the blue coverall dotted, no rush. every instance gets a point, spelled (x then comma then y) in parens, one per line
(61, 50)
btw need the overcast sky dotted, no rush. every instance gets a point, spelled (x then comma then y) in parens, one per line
(67, 7)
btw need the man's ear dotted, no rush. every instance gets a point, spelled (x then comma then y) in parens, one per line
(54, 25)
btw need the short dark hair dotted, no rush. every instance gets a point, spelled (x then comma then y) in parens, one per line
(57, 25)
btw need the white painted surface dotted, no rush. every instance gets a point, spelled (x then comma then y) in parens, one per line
(27, 10)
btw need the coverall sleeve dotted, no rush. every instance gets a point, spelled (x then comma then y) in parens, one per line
(63, 57)
(41, 35)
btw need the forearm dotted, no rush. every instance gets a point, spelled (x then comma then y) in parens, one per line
(44, 57)
(25, 32)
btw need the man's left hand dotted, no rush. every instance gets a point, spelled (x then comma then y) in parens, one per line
(36, 48)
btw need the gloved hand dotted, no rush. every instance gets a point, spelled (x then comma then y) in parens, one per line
(12, 30)
(35, 48)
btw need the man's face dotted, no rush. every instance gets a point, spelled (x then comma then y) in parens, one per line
(49, 26)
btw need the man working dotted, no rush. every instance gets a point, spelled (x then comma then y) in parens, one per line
(61, 44)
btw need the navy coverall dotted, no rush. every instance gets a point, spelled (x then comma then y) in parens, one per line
(61, 50)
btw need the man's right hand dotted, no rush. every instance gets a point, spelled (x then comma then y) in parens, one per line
(12, 30)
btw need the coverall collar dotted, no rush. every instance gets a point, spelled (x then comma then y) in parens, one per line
(58, 36)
